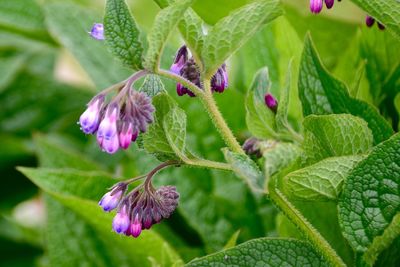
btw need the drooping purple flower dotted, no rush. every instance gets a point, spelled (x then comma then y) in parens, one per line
(136, 227)
(107, 134)
(220, 80)
(142, 110)
(329, 3)
(112, 198)
(271, 102)
(126, 133)
(121, 221)
(180, 60)
(316, 6)
(369, 21)
(89, 120)
(97, 31)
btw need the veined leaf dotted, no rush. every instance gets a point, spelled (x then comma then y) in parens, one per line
(122, 35)
(371, 195)
(152, 85)
(320, 93)
(233, 31)
(165, 22)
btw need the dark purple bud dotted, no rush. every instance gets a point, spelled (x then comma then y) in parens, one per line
(97, 31)
(271, 102)
(251, 147)
(136, 227)
(180, 60)
(142, 110)
(329, 3)
(190, 71)
(111, 199)
(369, 21)
(147, 220)
(381, 26)
(121, 221)
(126, 133)
(89, 120)
(220, 80)
(316, 6)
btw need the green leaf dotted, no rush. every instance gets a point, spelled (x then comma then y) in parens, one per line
(122, 35)
(191, 28)
(9, 68)
(283, 106)
(397, 106)
(385, 11)
(152, 85)
(264, 252)
(320, 181)
(320, 93)
(335, 135)
(166, 20)
(167, 134)
(230, 33)
(69, 24)
(246, 169)
(233, 240)
(260, 119)
(371, 196)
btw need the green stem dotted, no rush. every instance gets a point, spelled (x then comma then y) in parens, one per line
(318, 242)
(382, 242)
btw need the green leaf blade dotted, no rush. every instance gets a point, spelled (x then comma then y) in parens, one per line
(122, 34)
(233, 31)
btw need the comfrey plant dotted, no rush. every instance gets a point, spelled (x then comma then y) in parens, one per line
(318, 153)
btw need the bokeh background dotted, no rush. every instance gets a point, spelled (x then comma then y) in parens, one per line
(49, 70)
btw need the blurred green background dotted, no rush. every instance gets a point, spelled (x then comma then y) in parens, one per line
(49, 70)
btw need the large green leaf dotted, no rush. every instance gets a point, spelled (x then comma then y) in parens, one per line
(233, 31)
(335, 135)
(371, 195)
(166, 20)
(69, 24)
(320, 93)
(320, 181)
(385, 11)
(264, 252)
(122, 35)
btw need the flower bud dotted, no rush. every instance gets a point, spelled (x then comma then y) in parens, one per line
(329, 3)
(220, 80)
(316, 6)
(142, 110)
(251, 147)
(97, 31)
(271, 102)
(180, 60)
(369, 21)
(126, 133)
(168, 198)
(121, 221)
(111, 199)
(89, 120)
(136, 227)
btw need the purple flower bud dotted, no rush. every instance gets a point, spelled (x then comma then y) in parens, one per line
(180, 60)
(111, 199)
(316, 6)
(168, 198)
(381, 26)
(329, 3)
(89, 120)
(107, 136)
(110, 145)
(142, 110)
(271, 102)
(97, 31)
(121, 220)
(189, 71)
(126, 134)
(251, 147)
(369, 21)
(136, 227)
(220, 80)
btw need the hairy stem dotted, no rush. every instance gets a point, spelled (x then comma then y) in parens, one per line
(383, 241)
(315, 238)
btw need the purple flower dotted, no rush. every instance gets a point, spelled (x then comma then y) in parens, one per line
(111, 199)
(136, 227)
(271, 102)
(369, 21)
(121, 221)
(110, 145)
(180, 60)
(107, 133)
(329, 3)
(126, 133)
(316, 6)
(220, 80)
(97, 31)
(89, 120)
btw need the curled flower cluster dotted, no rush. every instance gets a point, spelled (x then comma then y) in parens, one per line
(141, 208)
(251, 147)
(370, 21)
(317, 5)
(117, 123)
(188, 69)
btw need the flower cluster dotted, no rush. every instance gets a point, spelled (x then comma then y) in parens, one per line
(141, 208)
(370, 21)
(119, 122)
(188, 69)
(251, 147)
(317, 5)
